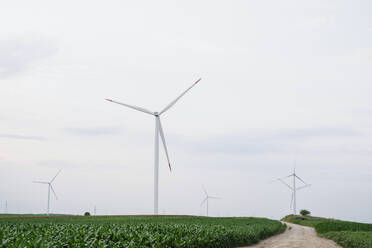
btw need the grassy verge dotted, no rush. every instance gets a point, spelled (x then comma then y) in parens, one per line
(346, 233)
(135, 231)
(349, 239)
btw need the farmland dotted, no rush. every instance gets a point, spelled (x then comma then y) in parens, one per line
(135, 231)
(345, 233)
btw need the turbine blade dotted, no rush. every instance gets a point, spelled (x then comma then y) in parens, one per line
(212, 197)
(272, 181)
(40, 182)
(305, 186)
(55, 176)
(174, 101)
(301, 180)
(163, 141)
(53, 191)
(206, 198)
(132, 107)
(280, 180)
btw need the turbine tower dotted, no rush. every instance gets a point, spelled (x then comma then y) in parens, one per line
(206, 199)
(158, 131)
(50, 187)
(294, 188)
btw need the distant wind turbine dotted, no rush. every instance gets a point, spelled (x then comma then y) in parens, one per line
(206, 199)
(294, 188)
(158, 131)
(50, 187)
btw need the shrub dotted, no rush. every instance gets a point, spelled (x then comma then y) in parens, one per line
(86, 214)
(305, 212)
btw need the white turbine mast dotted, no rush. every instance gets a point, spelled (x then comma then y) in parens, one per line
(206, 199)
(294, 188)
(50, 187)
(158, 131)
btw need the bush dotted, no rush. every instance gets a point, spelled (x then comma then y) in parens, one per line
(86, 214)
(305, 212)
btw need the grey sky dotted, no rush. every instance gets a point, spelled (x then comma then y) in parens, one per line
(281, 79)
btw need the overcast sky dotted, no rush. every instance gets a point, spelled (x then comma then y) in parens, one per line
(281, 80)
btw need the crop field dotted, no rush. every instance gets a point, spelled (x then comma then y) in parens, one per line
(345, 233)
(135, 231)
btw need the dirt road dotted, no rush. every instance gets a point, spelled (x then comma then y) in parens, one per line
(296, 236)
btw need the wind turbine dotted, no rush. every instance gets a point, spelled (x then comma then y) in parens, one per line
(50, 187)
(206, 199)
(158, 131)
(294, 188)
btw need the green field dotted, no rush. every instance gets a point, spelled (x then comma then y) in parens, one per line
(134, 231)
(346, 233)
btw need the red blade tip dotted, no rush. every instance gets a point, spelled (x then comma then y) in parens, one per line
(108, 100)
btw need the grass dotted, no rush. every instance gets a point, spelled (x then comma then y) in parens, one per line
(135, 231)
(346, 233)
(304, 220)
(351, 239)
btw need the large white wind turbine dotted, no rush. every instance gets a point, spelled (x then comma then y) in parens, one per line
(294, 188)
(158, 131)
(206, 199)
(50, 187)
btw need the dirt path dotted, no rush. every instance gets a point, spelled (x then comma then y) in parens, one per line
(296, 236)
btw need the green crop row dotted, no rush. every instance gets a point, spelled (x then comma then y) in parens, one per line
(136, 232)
